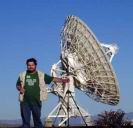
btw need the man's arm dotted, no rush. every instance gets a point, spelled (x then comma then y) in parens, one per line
(19, 86)
(60, 80)
(49, 79)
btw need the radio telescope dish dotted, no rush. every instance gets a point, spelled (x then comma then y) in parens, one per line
(88, 61)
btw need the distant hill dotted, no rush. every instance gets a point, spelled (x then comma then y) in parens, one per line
(11, 123)
(127, 115)
(18, 122)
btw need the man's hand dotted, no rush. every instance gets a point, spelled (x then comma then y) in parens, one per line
(61, 80)
(21, 89)
(65, 80)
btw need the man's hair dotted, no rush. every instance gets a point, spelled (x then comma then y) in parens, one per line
(31, 60)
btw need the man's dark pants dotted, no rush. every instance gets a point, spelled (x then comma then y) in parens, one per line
(26, 111)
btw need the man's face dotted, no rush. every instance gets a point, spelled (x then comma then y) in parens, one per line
(31, 67)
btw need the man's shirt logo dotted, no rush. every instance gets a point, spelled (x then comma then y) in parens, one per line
(31, 82)
(27, 76)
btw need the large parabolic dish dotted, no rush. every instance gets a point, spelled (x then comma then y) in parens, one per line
(83, 57)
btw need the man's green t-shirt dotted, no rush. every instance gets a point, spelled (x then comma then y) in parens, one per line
(32, 89)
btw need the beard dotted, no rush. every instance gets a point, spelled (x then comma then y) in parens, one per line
(31, 70)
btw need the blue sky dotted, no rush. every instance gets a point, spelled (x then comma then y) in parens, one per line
(31, 28)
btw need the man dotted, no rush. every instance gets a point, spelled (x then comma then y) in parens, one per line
(32, 88)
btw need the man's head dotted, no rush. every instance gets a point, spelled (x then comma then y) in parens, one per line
(31, 64)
